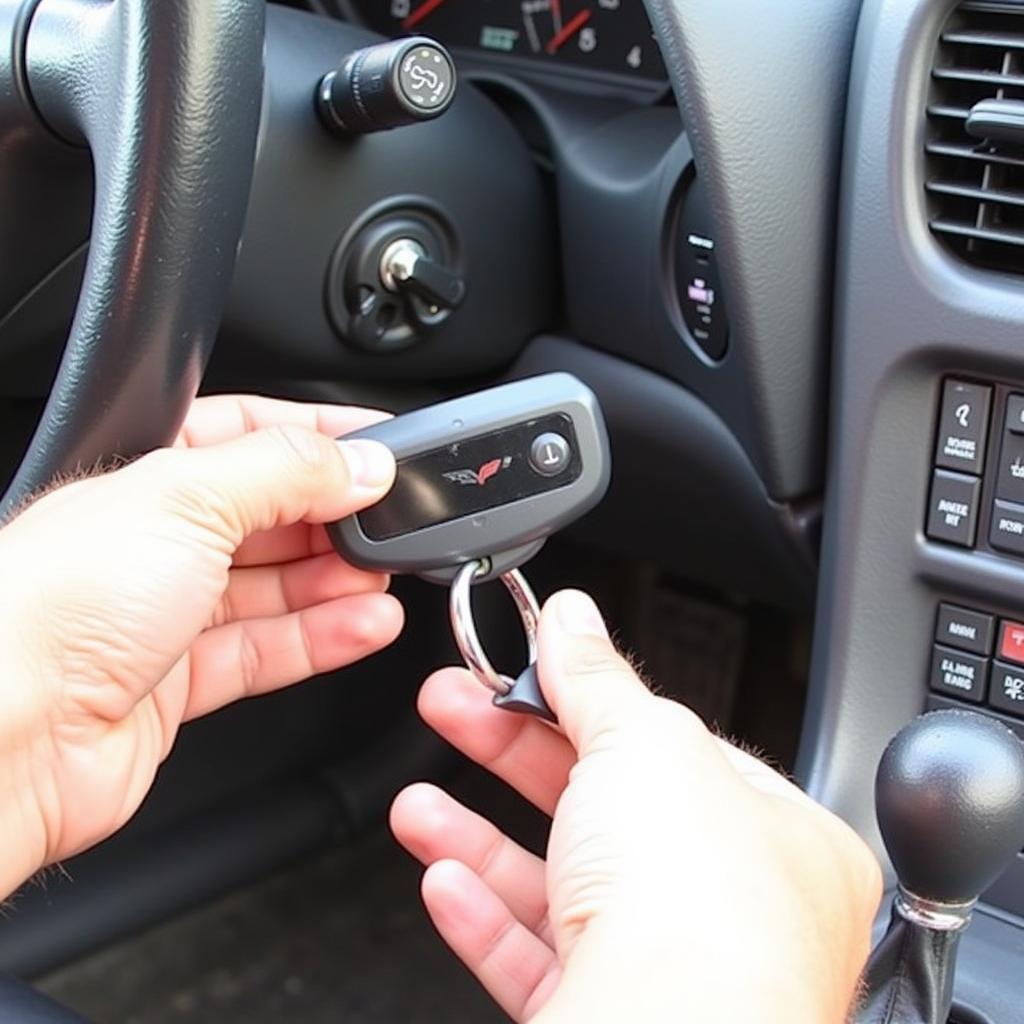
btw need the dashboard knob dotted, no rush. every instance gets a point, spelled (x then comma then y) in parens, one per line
(387, 86)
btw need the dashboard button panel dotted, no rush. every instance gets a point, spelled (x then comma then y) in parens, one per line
(959, 666)
(976, 495)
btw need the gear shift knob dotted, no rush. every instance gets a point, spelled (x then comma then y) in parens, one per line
(949, 796)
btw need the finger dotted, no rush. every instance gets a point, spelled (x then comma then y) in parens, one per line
(285, 544)
(269, 478)
(433, 826)
(591, 688)
(255, 656)
(220, 418)
(518, 970)
(270, 590)
(532, 758)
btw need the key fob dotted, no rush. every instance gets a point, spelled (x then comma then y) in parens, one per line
(489, 475)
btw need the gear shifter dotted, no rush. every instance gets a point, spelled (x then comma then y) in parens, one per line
(949, 795)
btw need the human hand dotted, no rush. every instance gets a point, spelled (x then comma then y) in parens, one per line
(139, 599)
(684, 880)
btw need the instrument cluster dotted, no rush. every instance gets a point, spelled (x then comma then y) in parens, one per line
(602, 36)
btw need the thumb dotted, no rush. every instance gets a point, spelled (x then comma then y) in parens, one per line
(271, 477)
(591, 688)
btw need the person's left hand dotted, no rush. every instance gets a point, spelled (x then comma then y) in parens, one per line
(136, 600)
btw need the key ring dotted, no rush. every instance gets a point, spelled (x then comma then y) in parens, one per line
(522, 694)
(460, 609)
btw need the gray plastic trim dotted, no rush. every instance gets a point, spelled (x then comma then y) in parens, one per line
(907, 314)
(761, 85)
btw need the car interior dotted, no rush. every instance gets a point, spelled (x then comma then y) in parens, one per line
(782, 241)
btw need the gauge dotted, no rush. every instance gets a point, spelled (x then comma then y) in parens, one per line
(602, 35)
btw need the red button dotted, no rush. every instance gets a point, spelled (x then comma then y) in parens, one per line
(1011, 642)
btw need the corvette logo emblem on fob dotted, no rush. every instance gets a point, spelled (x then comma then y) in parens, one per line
(478, 477)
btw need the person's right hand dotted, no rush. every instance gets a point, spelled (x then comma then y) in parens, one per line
(684, 880)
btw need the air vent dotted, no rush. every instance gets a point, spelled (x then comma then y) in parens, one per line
(976, 186)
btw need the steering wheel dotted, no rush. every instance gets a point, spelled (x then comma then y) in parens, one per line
(166, 95)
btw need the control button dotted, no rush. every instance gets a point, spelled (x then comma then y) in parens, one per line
(953, 511)
(1011, 641)
(966, 630)
(1007, 530)
(1007, 692)
(426, 76)
(963, 426)
(1010, 476)
(550, 454)
(961, 675)
(1015, 414)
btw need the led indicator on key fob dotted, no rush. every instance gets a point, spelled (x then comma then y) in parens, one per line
(490, 475)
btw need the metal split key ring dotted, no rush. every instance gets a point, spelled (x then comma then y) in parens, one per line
(521, 694)
(464, 626)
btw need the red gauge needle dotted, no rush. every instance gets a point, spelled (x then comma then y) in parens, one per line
(569, 29)
(424, 9)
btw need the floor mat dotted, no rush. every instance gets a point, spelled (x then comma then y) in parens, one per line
(340, 939)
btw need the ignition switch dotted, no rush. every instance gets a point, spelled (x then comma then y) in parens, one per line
(395, 277)
(406, 268)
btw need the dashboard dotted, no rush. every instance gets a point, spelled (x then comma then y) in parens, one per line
(601, 235)
(599, 38)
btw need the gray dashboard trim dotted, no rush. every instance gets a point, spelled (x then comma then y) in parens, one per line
(907, 313)
(761, 84)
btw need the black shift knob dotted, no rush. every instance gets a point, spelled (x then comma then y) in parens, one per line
(949, 795)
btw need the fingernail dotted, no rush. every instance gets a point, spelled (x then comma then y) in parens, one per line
(370, 463)
(578, 614)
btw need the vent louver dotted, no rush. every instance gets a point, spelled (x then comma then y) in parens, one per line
(976, 187)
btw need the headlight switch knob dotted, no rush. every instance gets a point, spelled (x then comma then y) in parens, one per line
(386, 86)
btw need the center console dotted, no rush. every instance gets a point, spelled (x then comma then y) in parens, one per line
(921, 593)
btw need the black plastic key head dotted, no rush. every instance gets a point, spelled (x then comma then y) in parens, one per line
(526, 696)
(949, 796)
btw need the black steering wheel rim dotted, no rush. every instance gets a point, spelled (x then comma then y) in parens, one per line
(167, 97)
